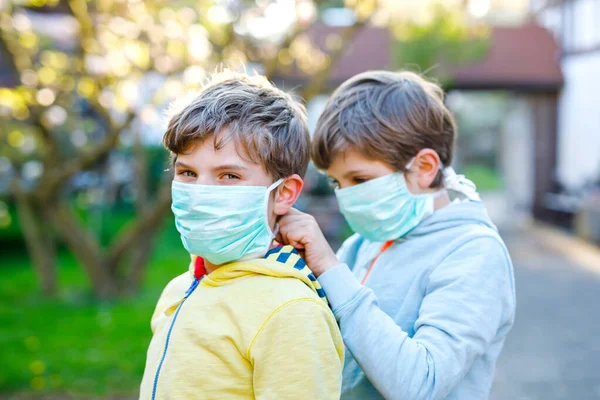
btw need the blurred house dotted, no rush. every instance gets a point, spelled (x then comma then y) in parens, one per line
(522, 61)
(575, 26)
(546, 143)
(369, 49)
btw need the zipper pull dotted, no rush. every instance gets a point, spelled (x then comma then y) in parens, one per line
(191, 289)
(169, 311)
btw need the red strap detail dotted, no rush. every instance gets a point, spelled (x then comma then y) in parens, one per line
(385, 246)
(199, 269)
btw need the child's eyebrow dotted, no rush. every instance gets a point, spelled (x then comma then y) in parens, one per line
(182, 165)
(352, 173)
(230, 167)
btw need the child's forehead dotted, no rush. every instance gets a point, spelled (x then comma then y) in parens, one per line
(227, 154)
(211, 149)
(351, 162)
(352, 157)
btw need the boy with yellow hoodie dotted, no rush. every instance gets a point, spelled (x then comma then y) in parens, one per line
(248, 320)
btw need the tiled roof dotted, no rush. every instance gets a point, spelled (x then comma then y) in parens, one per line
(524, 57)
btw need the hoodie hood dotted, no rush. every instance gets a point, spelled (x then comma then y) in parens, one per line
(452, 216)
(279, 262)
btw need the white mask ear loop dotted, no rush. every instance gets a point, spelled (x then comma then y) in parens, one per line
(440, 192)
(274, 185)
(443, 190)
(267, 195)
(460, 184)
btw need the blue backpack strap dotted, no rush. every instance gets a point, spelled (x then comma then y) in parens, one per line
(288, 255)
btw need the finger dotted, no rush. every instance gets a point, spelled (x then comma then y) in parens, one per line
(295, 244)
(292, 223)
(290, 237)
(286, 219)
(295, 231)
(293, 211)
(282, 236)
(294, 237)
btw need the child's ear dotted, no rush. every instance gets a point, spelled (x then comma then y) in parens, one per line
(287, 193)
(428, 164)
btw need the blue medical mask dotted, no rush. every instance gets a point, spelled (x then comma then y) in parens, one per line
(383, 209)
(223, 223)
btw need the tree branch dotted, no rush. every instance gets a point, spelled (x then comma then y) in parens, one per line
(272, 64)
(83, 161)
(141, 174)
(82, 245)
(137, 263)
(19, 55)
(51, 155)
(39, 240)
(79, 9)
(152, 216)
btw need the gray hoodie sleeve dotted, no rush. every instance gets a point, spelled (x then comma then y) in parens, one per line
(469, 297)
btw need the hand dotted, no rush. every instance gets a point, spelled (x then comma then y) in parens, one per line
(302, 231)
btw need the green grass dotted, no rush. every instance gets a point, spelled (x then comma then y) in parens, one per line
(74, 345)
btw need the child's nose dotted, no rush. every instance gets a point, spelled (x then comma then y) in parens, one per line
(205, 179)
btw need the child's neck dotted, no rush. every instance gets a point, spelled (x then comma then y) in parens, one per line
(210, 267)
(441, 201)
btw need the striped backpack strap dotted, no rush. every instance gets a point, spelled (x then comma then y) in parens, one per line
(288, 255)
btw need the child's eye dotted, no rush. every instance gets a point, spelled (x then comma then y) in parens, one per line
(187, 173)
(230, 176)
(358, 181)
(333, 183)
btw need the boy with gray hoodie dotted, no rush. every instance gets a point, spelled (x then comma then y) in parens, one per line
(424, 290)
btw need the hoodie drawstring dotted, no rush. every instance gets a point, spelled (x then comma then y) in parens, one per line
(385, 246)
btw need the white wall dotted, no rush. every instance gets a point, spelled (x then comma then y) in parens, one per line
(517, 154)
(579, 121)
(581, 24)
(578, 150)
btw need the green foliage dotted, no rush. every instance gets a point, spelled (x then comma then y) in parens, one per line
(485, 178)
(105, 222)
(325, 4)
(9, 225)
(72, 344)
(81, 100)
(441, 44)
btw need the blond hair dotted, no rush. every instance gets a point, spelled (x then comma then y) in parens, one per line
(268, 123)
(385, 116)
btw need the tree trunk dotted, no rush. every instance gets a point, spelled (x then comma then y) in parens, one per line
(133, 269)
(137, 263)
(85, 248)
(140, 238)
(40, 242)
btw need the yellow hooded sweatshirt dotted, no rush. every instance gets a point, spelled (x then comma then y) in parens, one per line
(257, 329)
